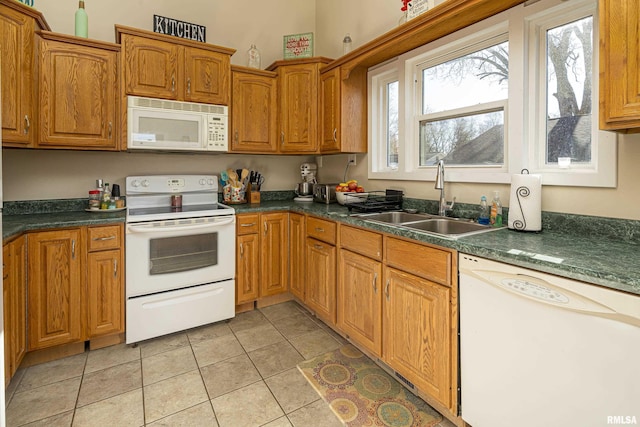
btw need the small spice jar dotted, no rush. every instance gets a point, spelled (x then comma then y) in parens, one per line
(94, 200)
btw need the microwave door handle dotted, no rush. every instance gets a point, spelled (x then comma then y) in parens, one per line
(146, 229)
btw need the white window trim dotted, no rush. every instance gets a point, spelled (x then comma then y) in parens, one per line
(520, 130)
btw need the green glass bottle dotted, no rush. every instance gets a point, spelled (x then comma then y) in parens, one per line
(82, 21)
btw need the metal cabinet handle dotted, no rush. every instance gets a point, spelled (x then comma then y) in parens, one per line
(27, 124)
(73, 249)
(189, 85)
(173, 83)
(101, 239)
(386, 290)
(110, 129)
(317, 246)
(241, 249)
(248, 225)
(265, 228)
(235, 136)
(335, 135)
(115, 268)
(375, 284)
(282, 138)
(320, 230)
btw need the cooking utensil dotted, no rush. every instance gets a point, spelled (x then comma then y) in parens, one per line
(233, 177)
(243, 176)
(224, 177)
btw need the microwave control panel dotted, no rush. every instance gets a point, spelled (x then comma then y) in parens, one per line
(217, 135)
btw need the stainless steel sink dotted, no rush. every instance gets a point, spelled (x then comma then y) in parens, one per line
(451, 228)
(394, 217)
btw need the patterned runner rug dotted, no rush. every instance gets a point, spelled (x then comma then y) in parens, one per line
(363, 394)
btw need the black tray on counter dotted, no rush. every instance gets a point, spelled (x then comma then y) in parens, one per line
(375, 201)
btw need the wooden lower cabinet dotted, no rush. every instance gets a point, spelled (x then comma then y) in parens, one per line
(321, 279)
(261, 255)
(55, 288)
(297, 261)
(417, 332)
(360, 300)
(15, 304)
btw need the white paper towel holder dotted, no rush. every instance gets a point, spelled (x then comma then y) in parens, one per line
(518, 221)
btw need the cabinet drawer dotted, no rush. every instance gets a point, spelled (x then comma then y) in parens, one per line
(248, 224)
(104, 237)
(321, 230)
(363, 242)
(424, 261)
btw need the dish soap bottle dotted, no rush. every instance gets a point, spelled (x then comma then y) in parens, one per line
(495, 219)
(483, 218)
(82, 21)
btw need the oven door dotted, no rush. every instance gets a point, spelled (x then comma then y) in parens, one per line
(175, 254)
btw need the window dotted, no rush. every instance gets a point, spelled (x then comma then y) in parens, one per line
(514, 91)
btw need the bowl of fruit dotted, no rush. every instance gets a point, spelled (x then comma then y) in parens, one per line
(349, 190)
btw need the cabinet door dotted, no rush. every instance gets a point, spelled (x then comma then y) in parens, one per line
(360, 300)
(619, 58)
(77, 96)
(17, 65)
(330, 110)
(151, 67)
(253, 113)
(274, 249)
(6, 299)
(321, 279)
(207, 76)
(18, 301)
(298, 108)
(417, 332)
(247, 268)
(54, 288)
(105, 293)
(296, 255)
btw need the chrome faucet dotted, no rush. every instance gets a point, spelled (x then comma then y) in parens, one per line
(443, 207)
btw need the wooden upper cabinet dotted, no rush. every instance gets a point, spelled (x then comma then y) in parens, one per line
(620, 65)
(17, 55)
(151, 67)
(207, 76)
(343, 109)
(253, 111)
(78, 100)
(298, 82)
(161, 66)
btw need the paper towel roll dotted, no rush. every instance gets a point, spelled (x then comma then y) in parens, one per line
(525, 202)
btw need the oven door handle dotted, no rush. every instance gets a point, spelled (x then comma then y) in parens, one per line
(167, 229)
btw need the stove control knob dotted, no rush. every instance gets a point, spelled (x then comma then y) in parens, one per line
(203, 181)
(210, 181)
(145, 183)
(135, 183)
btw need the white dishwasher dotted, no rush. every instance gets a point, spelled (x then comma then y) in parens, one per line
(540, 350)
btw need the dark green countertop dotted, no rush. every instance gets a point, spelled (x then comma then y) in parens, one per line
(575, 253)
(13, 225)
(609, 262)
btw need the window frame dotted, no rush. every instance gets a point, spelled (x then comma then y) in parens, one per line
(523, 148)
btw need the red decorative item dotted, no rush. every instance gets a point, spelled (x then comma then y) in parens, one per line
(405, 4)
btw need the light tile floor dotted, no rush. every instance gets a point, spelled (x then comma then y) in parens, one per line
(237, 373)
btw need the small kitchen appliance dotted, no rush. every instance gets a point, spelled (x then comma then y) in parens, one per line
(180, 261)
(324, 193)
(304, 189)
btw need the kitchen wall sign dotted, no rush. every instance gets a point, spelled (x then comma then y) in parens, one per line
(182, 29)
(417, 7)
(298, 46)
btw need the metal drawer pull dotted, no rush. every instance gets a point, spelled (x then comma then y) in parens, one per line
(101, 239)
(27, 124)
(386, 290)
(253, 224)
(320, 230)
(375, 280)
(317, 246)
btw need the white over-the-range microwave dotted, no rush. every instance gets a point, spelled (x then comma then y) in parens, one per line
(159, 124)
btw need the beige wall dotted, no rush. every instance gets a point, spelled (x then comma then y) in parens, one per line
(37, 174)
